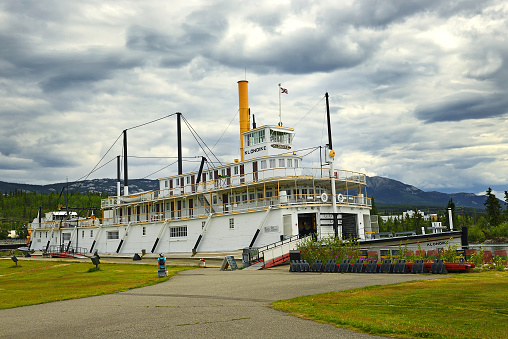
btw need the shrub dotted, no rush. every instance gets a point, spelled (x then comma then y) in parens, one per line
(329, 248)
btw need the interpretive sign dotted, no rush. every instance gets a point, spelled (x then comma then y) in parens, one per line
(229, 261)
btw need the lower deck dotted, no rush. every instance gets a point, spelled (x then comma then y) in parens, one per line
(215, 232)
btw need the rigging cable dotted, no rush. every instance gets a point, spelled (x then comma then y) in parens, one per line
(194, 134)
(174, 162)
(149, 122)
(309, 111)
(234, 117)
(86, 176)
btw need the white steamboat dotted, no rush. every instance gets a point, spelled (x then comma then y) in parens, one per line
(266, 196)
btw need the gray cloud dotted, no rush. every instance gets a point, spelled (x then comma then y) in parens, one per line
(417, 88)
(463, 106)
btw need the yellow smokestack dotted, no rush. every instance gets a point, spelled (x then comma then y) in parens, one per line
(243, 99)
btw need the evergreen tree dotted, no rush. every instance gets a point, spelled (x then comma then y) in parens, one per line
(417, 221)
(505, 205)
(374, 210)
(493, 209)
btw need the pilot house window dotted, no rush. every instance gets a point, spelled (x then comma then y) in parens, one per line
(280, 137)
(255, 138)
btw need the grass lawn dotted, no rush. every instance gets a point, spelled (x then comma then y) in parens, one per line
(463, 306)
(35, 281)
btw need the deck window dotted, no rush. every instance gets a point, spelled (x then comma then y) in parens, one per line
(272, 163)
(263, 164)
(236, 170)
(290, 162)
(113, 235)
(281, 163)
(178, 232)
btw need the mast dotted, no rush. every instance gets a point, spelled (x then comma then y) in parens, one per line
(66, 199)
(330, 157)
(280, 108)
(118, 178)
(328, 122)
(125, 174)
(179, 140)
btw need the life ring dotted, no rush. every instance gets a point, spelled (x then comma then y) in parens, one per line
(340, 198)
(324, 197)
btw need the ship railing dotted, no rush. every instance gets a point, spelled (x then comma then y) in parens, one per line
(62, 248)
(267, 174)
(43, 225)
(65, 224)
(234, 207)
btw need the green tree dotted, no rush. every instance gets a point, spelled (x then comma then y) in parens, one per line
(417, 221)
(505, 205)
(4, 230)
(374, 210)
(493, 209)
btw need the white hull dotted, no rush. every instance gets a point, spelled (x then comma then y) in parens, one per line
(225, 232)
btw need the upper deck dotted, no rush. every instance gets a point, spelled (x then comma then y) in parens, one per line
(280, 171)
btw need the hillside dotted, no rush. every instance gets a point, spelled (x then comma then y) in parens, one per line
(392, 192)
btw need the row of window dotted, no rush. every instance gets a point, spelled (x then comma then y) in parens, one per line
(174, 232)
(67, 236)
(236, 197)
(282, 163)
(224, 172)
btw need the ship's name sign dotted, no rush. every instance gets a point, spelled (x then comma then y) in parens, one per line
(437, 243)
(281, 146)
(254, 150)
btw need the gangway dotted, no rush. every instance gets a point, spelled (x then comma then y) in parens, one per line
(277, 253)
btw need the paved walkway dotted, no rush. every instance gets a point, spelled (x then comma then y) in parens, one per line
(201, 303)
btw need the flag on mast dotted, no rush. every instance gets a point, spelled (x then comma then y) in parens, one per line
(281, 90)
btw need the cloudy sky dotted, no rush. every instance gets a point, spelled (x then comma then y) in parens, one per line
(418, 89)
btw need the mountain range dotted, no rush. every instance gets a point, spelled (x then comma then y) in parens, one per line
(386, 192)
